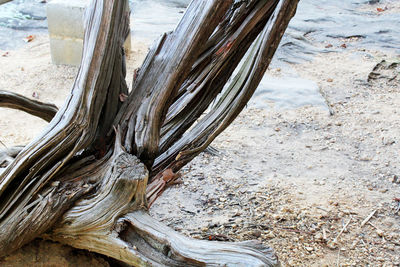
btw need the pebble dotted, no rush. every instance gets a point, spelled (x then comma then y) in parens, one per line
(331, 245)
(309, 249)
(380, 232)
(318, 236)
(256, 233)
(270, 235)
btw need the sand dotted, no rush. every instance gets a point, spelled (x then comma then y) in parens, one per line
(300, 180)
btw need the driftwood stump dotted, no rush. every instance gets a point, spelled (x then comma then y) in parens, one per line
(86, 181)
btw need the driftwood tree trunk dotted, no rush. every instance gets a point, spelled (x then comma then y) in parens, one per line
(86, 181)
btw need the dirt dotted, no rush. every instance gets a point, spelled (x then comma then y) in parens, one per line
(40, 253)
(302, 180)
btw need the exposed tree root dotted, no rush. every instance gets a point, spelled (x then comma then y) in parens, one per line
(112, 221)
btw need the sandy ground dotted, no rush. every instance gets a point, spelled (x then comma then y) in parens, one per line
(301, 180)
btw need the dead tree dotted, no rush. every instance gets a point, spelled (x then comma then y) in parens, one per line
(86, 181)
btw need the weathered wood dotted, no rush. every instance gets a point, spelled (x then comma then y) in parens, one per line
(7, 156)
(36, 108)
(4, 1)
(163, 71)
(222, 54)
(27, 181)
(111, 220)
(233, 100)
(81, 184)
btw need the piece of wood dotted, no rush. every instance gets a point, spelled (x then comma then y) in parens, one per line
(4, 1)
(234, 98)
(73, 129)
(368, 218)
(164, 70)
(84, 183)
(343, 229)
(36, 108)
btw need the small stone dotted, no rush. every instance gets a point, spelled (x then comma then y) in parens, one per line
(309, 249)
(329, 80)
(380, 259)
(318, 236)
(354, 244)
(270, 235)
(256, 233)
(380, 232)
(56, 183)
(331, 245)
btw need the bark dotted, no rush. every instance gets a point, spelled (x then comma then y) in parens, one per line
(36, 108)
(87, 179)
(4, 1)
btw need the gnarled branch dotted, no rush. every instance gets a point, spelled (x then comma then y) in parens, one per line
(81, 185)
(27, 192)
(232, 101)
(36, 108)
(164, 70)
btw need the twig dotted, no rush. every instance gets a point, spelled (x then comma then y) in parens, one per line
(295, 231)
(3, 144)
(398, 204)
(341, 232)
(368, 218)
(213, 151)
(348, 212)
(324, 234)
(327, 102)
(321, 208)
(338, 259)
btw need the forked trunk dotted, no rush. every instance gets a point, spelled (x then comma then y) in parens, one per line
(87, 179)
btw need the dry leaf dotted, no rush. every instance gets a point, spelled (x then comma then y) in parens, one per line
(29, 38)
(168, 175)
(122, 97)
